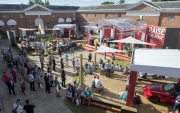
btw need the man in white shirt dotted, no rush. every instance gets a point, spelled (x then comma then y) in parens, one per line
(176, 105)
(116, 68)
(31, 80)
(142, 74)
(77, 65)
(17, 106)
(98, 84)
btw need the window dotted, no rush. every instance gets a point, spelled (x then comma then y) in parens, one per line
(106, 15)
(53, 15)
(4, 16)
(119, 15)
(12, 26)
(64, 14)
(21, 16)
(171, 17)
(48, 26)
(94, 15)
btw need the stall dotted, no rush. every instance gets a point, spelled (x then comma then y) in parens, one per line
(66, 30)
(113, 29)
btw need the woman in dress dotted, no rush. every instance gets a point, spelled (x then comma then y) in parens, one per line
(22, 85)
(57, 86)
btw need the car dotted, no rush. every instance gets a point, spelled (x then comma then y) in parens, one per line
(161, 93)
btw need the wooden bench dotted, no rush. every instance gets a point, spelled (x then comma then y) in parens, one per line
(94, 90)
(104, 73)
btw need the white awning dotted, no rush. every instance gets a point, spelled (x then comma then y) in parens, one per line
(132, 40)
(11, 22)
(53, 29)
(102, 49)
(65, 26)
(157, 61)
(1, 23)
(27, 29)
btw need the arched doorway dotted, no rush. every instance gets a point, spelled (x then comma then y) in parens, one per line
(12, 24)
(39, 23)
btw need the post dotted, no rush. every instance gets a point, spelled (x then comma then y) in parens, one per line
(80, 73)
(69, 34)
(95, 56)
(131, 88)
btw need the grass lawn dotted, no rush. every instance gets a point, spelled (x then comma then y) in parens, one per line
(84, 109)
(124, 63)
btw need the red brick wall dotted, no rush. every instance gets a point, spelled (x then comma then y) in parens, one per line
(165, 22)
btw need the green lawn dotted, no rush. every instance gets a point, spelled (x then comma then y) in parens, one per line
(124, 63)
(84, 109)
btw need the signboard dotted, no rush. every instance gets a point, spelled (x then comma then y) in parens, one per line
(156, 35)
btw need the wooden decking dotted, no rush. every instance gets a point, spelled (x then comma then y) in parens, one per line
(117, 84)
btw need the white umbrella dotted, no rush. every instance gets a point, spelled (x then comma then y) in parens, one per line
(131, 40)
(102, 49)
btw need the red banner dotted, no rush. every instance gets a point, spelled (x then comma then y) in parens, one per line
(107, 33)
(156, 35)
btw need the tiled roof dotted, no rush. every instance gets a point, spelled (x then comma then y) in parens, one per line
(165, 6)
(58, 8)
(168, 4)
(13, 7)
(101, 7)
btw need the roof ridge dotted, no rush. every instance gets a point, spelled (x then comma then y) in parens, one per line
(165, 1)
(109, 5)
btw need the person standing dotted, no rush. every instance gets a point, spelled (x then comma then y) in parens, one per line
(51, 78)
(62, 64)
(46, 79)
(48, 68)
(108, 68)
(104, 55)
(17, 107)
(10, 85)
(5, 77)
(66, 58)
(89, 57)
(63, 78)
(72, 51)
(176, 105)
(22, 85)
(29, 107)
(113, 57)
(54, 63)
(31, 80)
(57, 86)
(13, 72)
(77, 65)
(73, 63)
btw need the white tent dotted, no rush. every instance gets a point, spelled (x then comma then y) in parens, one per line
(102, 49)
(65, 26)
(53, 29)
(157, 61)
(132, 40)
(27, 29)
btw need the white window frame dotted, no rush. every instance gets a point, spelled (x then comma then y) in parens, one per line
(21, 16)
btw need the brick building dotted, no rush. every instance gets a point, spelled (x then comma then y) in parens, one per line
(12, 16)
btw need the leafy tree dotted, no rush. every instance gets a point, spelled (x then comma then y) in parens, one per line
(107, 2)
(31, 2)
(36, 2)
(121, 1)
(46, 2)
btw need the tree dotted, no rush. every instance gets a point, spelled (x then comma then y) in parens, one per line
(36, 2)
(107, 2)
(121, 1)
(46, 2)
